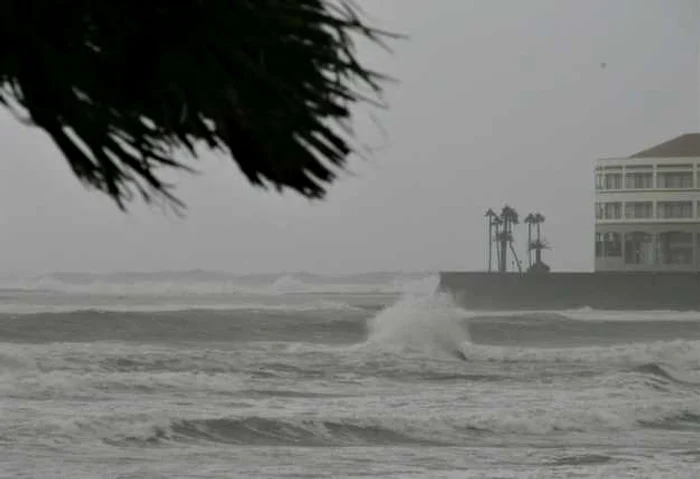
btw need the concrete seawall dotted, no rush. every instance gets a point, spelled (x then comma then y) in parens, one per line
(560, 291)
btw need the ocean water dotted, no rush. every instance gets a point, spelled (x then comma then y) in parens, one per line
(203, 375)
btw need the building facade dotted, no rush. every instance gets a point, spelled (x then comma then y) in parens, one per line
(647, 209)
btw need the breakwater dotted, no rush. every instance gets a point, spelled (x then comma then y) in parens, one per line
(560, 291)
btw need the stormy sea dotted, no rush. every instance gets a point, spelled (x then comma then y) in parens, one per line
(211, 375)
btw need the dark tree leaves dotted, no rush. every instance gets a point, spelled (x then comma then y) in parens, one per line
(121, 85)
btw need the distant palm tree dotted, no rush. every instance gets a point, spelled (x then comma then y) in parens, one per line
(538, 220)
(530, 220)
(539, 245)
(514, 221)
(491, 215)
(497, 223)
(509, 217)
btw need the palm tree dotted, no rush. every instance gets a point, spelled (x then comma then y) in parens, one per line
(529, 219)
(514, 221)
(509, 217)
(497, 223)
(503, 237)
(538, 245)
(270, 83)
(491, 215)
(538, 220)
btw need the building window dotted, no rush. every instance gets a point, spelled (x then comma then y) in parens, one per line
(599, 181)
(675, 248)
(639, 180)
(639, 248)
(613, 181)
(674, 209)
(638, 209)
(674, 179)
(608, 211)
(608, 245)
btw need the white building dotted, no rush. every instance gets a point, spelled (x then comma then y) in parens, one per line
(648, 209)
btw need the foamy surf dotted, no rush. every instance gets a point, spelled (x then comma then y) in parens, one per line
(431, 324)
(168, 305)
(216, 284)
(302, 371)
(590, 314)
(500, 424)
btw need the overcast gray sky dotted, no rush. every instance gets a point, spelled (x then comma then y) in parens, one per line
(498, 101)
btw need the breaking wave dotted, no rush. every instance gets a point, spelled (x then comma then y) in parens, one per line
(430, 324)
(669, 373)
(281, 432)
(390, 429)
(681, 353)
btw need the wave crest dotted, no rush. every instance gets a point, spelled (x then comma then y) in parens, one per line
(389, 429)
(432, 325)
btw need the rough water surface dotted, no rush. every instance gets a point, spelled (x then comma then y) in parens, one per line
(196, 375)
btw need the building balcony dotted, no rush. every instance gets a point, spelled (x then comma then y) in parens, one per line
(647, 190)
(604, 221)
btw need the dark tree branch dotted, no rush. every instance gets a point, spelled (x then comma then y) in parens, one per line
(120, 85)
